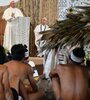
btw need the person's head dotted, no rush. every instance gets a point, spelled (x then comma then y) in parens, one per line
(18, 52)
(12, 4)
(2, 55)
(44, 20)
(77, 55)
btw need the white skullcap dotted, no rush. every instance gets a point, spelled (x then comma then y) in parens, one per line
(13, 1)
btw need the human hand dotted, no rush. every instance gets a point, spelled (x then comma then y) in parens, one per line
(13, 15)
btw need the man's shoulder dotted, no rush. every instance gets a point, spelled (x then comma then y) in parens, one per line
(17, 9)
(3, 67)
(7, 9)
(38, 25)
(47, 25)
(23, 64)
(70, 66)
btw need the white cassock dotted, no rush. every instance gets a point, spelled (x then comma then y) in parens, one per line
(11, 31)
(49, 56)
(38, 42)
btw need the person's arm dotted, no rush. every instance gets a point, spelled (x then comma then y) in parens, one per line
(31, 80)
(2, 94)
(8, 92)
(55, 83)
(6, 16)
(56, 87)
(22, 91)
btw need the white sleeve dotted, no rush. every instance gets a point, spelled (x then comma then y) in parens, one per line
(19, 13)
(6, 15)
(47, 27)
(37, 29)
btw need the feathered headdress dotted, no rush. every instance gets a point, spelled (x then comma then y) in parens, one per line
(71, 31)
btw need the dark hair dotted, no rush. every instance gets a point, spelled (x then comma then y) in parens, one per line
(2, 55)
(79, 52)
(9, 57)
(18, 51)
(88, 63)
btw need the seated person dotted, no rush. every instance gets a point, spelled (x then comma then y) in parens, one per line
(5, 91)
(19, 70)
(70, 81)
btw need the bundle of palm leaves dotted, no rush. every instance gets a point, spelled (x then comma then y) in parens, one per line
(71, 31)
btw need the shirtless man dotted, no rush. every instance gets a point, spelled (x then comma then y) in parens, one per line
(19, 71)
(70, 81)
(5, 91)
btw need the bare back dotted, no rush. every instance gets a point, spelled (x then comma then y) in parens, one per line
(74, 82)
(5, 91)
(17, 71)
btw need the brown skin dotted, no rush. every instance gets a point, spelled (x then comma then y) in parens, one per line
(70, 82)
(32, 95)
(5, 91)
(18, 72)
(22, 91)
(88, 68)
(37, 96)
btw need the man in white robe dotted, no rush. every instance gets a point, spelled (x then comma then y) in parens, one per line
(40, 28)
(48, 56)
(11, 31)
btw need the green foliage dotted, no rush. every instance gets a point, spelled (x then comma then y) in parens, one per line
(6, 50)
(87, 55)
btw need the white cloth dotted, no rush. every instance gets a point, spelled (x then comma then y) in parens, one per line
(11, 30)
(49, 56)
(38, 42)
(62, 55)
(39, 28)
(20, 98)
(50, 62)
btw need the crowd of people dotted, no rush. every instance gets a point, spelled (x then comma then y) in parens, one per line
(13, 73)
(69, 81)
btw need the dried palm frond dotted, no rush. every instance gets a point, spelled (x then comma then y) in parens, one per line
(71, 31)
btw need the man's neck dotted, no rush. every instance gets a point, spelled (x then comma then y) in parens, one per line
(43, 24)
(12, 7)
